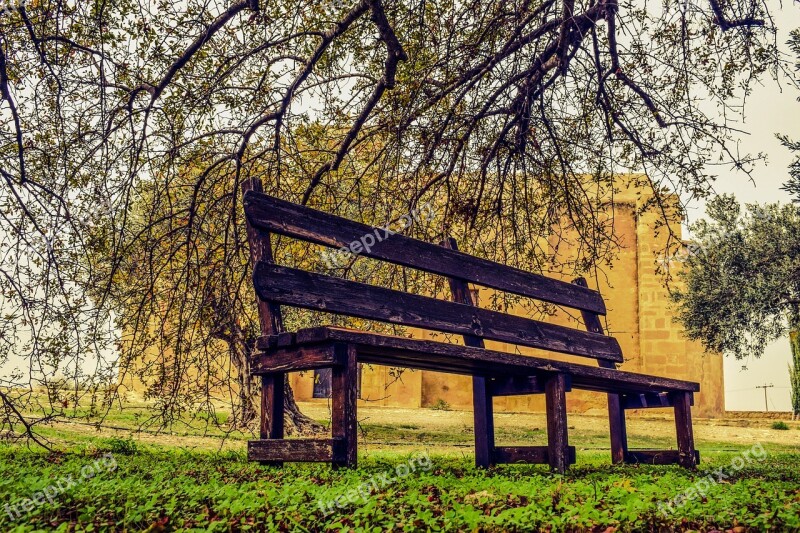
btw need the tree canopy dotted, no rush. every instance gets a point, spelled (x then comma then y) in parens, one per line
(792, 186)
(742, 277)
(502, 111)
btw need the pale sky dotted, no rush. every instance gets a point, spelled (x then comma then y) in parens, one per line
(771, 109)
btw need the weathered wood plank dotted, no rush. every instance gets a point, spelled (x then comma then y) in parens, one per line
(617, 429)
(431, 355)
(273, 393)
(295, 359)
(279, 216)
(557, 434)
(646, 400)
(527, 454)
(483, 415)
(316, 291)
(269, 314)
(616, 414)
(482, 405)
(274, 341)
(273, 387)
(683, 424)
(344, 398)
(657, 457)
(516, 385)
(300, 450)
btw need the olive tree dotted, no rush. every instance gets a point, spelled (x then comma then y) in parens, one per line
(742, 280)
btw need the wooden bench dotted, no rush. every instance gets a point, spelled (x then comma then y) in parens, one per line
(493, 373)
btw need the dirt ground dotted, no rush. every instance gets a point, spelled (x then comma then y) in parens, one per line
(711, 433)
(722, 430)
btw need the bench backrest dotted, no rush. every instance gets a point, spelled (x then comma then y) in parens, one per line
(289, 286)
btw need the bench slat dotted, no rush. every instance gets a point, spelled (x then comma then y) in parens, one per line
(657, 457)
(286, 218)
(527, 454)
(390, 350)
(300, 450)
(309, 290)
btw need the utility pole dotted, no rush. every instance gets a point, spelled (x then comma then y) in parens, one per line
(765, 387)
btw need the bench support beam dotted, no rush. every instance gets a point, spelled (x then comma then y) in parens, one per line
(683, 425)
(557, 436)
(484, 422)
(344, 397)
(617, 430)
(482, 404)
(616, 406)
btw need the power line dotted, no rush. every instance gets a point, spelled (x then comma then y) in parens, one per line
(765, 387)
(740, 390)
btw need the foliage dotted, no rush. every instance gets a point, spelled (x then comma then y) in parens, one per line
(780, 425)
(509, 114)
(794, 372)
(116, 445)
(793, 185)
(183, 490)
(742, 277)
(440, 405)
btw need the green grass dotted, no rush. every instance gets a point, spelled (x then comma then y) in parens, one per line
(174, 482)
(166, 488)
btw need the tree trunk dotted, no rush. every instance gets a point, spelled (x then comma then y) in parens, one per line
(296, 422)
(245, 416)
(794, 371)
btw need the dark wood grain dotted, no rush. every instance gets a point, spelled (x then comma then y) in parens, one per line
(527, 454)
(657, 457)
(326, 293)
(646, 400)
(431, 355)
(273, 387)
(516, 385)
(482, 404)
(682, 402)
(557, 434)
(617, 429)
(616, 412)
(344, 398)
(300, 450)
(295, 359)
(278, 216)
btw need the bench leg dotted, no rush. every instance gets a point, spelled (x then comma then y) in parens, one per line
(484, 422)
(344, 395)
(557, 436)
(272, 412)
(683, 425)
(616, 425)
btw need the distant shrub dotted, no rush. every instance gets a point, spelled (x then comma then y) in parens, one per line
(119, 446)
(441, 405)
(780, 425)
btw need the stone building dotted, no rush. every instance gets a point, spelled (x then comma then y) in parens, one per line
(639, 316)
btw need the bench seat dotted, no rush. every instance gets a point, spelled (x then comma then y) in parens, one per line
(390, 350)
